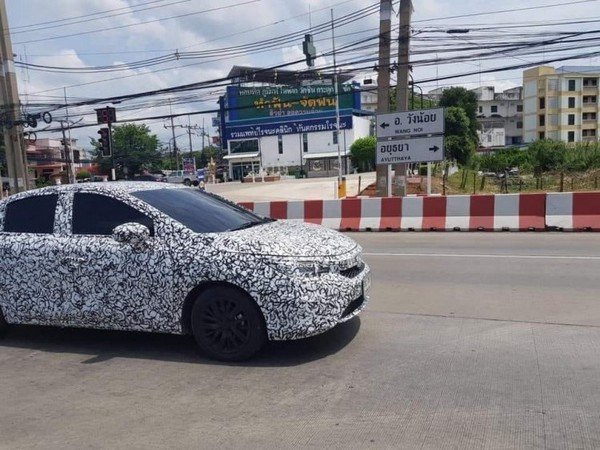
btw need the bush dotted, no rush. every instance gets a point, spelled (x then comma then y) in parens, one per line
(83, 174)
(362, 153)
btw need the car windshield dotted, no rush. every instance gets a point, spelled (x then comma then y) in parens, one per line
(201, 212)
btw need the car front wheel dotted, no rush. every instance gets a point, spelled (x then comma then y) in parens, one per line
(227, 324)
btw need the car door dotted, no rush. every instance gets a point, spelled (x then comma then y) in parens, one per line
(30, 270)
(113, 284)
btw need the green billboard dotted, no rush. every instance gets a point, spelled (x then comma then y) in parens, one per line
(280, 101)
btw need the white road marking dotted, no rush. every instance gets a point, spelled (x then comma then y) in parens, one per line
(491, 256)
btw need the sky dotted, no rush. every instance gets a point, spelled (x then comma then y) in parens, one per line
(117, 33)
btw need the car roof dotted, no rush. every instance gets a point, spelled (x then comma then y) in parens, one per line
(106, 187)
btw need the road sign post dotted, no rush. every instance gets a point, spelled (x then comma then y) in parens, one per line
(410, 150)
(411, 123)
(410, 137)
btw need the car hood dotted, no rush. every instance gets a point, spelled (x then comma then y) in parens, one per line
(284, 238)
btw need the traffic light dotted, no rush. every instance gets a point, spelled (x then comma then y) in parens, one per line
(309, 50)
(106, 115)
(104, 141)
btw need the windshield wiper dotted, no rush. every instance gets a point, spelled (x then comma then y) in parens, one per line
(251, 224)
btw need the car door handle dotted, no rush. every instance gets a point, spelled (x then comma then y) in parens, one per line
(73, 261)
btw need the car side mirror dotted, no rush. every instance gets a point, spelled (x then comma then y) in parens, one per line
(132, 233)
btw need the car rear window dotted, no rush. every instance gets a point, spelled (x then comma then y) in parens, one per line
(31, 214)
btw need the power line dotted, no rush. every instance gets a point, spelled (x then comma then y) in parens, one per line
(86, 17)
(82, 33)
(529, 8)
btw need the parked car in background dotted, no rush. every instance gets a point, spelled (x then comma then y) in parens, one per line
(150, 177)
(169, 259)
(181, 177)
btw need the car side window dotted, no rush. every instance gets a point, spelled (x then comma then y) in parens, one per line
(99, 214)
(33, 214)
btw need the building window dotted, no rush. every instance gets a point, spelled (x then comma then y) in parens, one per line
(519, 124)
(589, 133)
(571, 136)
(494, 108)
(589, 99)
(335, 138)
(542, 102)
(280, 144)
(541, 135)
(480, 109)
(571, 102)
(589, 116)
(571, 85)
(590, 82)
(519, 108)
(304, 142)
(542, 119)
(571, 119)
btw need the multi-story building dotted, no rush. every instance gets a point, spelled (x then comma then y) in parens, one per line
(499, 114)
(368, 97)
(272, 120)
(46, 158)
(561, 104)
(502, 110)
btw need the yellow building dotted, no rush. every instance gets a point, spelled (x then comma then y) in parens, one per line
(561, 104)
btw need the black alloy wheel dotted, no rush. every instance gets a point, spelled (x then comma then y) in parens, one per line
(227, 324)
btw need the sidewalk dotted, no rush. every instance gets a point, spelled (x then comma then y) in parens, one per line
(301, 189)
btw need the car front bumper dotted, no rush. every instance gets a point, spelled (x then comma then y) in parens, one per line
(313, 306)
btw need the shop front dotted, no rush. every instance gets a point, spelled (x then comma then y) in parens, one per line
(325, 164)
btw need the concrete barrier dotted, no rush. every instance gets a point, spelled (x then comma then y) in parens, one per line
(504, 212)
(570, 211)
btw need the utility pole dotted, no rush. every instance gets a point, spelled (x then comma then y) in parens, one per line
(189, 128)
(68, 148)
(337, 104)
(406, 9)
(10, 101)
(383, 83)
(68, 153)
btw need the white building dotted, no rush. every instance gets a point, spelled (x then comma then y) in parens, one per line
(562, 104)
(492, 137)
(501, 110)
(285, 124)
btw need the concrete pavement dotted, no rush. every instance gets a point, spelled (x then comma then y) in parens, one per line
(301, 189)
(470, 340)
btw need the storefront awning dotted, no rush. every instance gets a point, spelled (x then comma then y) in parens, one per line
(238, 156)
(322, 155)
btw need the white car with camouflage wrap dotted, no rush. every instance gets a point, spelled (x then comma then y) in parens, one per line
(171, 259)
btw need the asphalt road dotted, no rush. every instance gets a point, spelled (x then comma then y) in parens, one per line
(470, 341)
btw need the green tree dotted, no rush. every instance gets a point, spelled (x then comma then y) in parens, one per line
(460, 144)
(547, 155)
(213, 152)
(414, 102)
(362, 153)
(467, 100)
(134, 150)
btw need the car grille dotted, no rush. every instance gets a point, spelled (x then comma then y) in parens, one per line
(353, 271)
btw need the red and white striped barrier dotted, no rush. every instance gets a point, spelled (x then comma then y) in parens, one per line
(573, 211)
(466, 213)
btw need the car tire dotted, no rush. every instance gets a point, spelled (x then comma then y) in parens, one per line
(3, 324)
(227, 324)
(187, 182)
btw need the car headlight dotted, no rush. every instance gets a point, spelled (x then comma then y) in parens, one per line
(301, 268)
